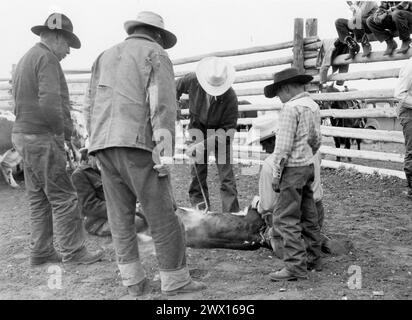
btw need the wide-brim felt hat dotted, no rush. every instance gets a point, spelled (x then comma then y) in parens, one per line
(289, 75)
(59, 22)
(148, 18)
(263, 127)
(215, 75)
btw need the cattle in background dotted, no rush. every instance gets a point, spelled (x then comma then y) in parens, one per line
(343, 122)
(10, 160)
(245, 114)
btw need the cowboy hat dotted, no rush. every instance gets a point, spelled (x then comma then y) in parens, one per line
(289, 75)
(263, 128)
(148, 18)
(61, 23)
(215, 75)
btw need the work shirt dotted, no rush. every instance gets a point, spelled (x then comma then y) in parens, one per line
(206, 112)
(41, 96)
(403, 88)
(298, 137)
(131, 98)
(268, 197)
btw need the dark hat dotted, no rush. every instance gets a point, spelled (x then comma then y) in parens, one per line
(289, 75)
(59, 22)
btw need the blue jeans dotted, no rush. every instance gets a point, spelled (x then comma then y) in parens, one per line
(50, 190)
(297, 219)
(405, 116)
(128, 175)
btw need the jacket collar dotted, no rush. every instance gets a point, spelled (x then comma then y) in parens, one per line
(300, 95)
(140, 36)
(44, 46)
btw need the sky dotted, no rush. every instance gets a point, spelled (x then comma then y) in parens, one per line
(200, 26)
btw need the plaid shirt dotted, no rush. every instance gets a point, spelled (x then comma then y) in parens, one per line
(298, 137)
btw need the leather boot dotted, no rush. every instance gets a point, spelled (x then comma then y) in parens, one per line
(391, 46)
(353, 47)
(405, 46)
(366, 46)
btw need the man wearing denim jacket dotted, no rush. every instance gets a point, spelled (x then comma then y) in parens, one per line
(403, 92)
(42, 125)
(131, 103)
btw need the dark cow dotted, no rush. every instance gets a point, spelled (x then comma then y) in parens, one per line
(248, 232)
(222, 230)
(343, 122)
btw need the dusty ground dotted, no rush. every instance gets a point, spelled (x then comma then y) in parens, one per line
(370, 211)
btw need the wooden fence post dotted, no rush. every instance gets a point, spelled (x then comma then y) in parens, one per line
(311, 30)
(298, 42)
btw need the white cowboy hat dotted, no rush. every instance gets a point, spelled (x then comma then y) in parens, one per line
(263, 128)
(215, 75)
(148, 18)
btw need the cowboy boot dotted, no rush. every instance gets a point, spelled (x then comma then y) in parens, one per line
(405, 46)
(391, 45)
(366, 46)
(353, 47)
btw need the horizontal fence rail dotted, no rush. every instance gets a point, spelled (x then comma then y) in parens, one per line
(362, 75)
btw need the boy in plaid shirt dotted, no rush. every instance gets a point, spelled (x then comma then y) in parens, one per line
(297, 141)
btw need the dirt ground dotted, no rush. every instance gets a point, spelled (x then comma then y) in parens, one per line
(368, 210)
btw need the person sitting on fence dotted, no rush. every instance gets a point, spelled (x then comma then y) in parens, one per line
(264, 130)
(355, 30)
(392, 17)
(297, 141)
(87, 181)
(213, 105)
(403, 92)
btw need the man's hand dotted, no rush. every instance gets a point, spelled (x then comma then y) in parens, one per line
(255, 202)
(276, 184)
(162, 169)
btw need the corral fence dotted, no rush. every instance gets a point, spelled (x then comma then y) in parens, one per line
(302, 52)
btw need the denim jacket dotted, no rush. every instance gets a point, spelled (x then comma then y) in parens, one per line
(131, 96)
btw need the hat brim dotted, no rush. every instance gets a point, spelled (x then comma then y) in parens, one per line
(214, 90)
(252, 136)
(74, 41)
(271, 90)
(168, 37)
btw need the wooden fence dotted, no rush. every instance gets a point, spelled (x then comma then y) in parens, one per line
(303, 54)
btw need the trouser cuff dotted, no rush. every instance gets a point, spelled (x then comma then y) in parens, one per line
(131, 273)
(172, 280)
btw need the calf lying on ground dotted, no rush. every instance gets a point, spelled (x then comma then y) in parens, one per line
(249, 232)
(222, 230)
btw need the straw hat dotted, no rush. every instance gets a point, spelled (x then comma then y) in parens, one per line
(289, 75)
(59, 22)
(263, 128)
(148, 18)
(215, 75)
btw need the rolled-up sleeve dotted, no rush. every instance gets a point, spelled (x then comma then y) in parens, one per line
(50, 99)
(268, 197)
